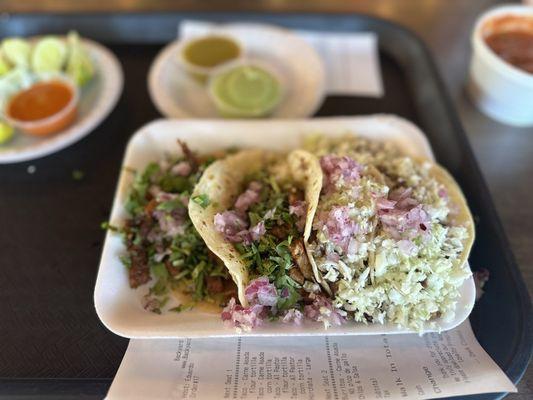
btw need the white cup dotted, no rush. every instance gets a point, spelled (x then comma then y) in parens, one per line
(499, 89)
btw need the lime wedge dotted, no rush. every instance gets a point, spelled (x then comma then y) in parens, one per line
(6, 132)
(17, 78)
(49, 55)
(12, 82)
(4, 65)
(79, 65)
(17, 51)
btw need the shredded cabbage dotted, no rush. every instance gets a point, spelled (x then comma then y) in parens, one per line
(401, 264)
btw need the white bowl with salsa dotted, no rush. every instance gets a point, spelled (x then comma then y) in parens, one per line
(46, 107)
(501, 68)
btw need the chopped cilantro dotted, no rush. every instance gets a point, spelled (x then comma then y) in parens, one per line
(285, 303)
(163, 302)
(151, 169)
(254, 218)
(160, 288)
(198, 269)
(105, 225)
(175, 184)
(202, 200)
(182, 307)
(160, 271)
(78, 175)
(273, 318)
(274, 185)
(283, 258)
(198, 276)
(170, 205)
(126, 260)
(138, 240)
(182, 274)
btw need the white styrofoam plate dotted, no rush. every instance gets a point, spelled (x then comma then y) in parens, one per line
(119, 306)
(177, 95)
(97, 100)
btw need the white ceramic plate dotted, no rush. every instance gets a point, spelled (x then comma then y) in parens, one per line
(177, 95)
(97, 100)
(119, 307)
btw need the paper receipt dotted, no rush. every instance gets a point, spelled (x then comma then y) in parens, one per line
(328, 367)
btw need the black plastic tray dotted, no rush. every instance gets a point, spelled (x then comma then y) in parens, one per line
(52, 343)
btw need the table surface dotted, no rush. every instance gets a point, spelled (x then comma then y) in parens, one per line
(505, 154)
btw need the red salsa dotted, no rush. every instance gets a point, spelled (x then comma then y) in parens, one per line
(40, 101)
(510, 37)
(514, 47)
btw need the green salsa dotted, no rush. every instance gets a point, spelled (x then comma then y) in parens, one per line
(211, 51)
(245, 91)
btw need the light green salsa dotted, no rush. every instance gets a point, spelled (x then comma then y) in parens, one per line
(245, 91)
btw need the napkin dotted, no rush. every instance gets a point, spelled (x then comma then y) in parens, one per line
(351, 60)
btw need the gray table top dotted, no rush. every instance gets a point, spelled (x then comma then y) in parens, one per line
(505, 154)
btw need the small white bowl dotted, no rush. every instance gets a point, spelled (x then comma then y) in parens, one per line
(499, 89)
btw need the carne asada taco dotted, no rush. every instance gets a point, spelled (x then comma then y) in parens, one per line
(259, 215)
(162, 245)
(390, 236)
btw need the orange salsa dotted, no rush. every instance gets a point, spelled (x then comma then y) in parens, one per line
(40, 101)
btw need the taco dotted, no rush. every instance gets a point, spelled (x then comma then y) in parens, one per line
(164, 252)
(391, 237)
(259, 216)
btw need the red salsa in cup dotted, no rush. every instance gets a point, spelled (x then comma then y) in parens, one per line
(511, 38)
(43, 108)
